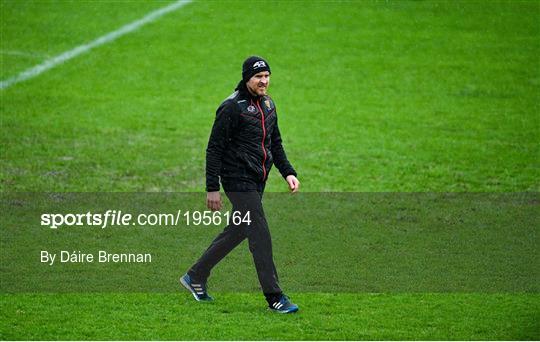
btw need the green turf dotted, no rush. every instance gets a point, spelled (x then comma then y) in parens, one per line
(408, 96)
(35, 30)
(241, 316)
(372, 96)
(328, 243)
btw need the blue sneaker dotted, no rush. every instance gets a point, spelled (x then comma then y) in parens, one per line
(283, 305)
(197, 289)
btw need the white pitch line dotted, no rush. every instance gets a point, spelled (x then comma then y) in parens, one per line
(28, 54)
(52, 62)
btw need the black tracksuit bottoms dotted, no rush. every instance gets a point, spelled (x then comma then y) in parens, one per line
(245, 196)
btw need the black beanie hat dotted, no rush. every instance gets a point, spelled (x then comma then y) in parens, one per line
(253, 65)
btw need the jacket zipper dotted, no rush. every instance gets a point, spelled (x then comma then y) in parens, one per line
(263, 139)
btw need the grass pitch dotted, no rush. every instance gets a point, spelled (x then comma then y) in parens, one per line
(398, 96)
(372, 96)
(243, 317)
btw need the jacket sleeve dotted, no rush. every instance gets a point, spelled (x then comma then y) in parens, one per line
(225, 123)
(280, 158)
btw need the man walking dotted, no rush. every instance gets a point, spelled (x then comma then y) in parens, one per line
(244, 143)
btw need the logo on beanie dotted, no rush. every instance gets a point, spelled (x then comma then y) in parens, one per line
(259, 64)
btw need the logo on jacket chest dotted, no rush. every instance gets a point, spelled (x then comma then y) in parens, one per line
(252, 109)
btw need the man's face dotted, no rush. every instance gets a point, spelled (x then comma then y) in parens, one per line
(258, 83)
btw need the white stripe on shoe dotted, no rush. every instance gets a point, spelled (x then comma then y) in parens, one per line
(186, 285)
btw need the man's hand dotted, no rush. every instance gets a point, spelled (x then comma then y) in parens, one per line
(213, 200)
(294, 184)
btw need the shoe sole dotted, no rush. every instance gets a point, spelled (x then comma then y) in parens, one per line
(284, 312)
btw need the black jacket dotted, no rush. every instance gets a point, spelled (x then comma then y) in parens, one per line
(245, 141)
